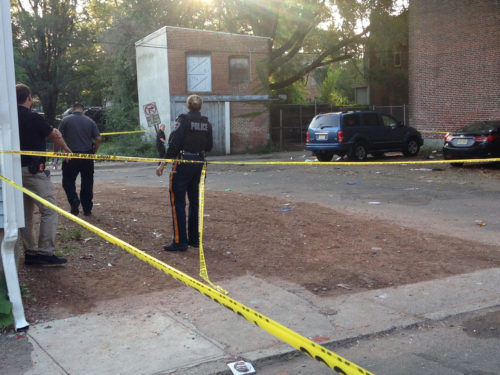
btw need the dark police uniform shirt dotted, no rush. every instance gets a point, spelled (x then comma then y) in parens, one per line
(33, 130)
(159, 135)
(192, 133)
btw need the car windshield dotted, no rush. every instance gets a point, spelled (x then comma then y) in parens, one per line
(328, 120)
(482, 127)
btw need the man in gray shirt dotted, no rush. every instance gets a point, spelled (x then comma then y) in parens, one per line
(82, 134)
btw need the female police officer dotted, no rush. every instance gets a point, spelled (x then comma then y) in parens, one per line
(190, 139)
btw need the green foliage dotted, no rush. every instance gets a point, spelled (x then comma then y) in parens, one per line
(67, 249)
(49, 46)
(295, 93)
(337, 85)
(71, 234)
(128, 145)
(25, 291)
(6, 319)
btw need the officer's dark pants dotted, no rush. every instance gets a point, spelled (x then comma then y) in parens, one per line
(161, 150)
(70, 171)
(185, 178)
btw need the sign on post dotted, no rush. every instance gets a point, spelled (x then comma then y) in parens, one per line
(152, 115)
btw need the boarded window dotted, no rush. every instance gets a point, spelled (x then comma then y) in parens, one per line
(199, 72)
(239, 69)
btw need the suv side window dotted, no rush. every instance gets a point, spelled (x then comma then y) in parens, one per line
(351, 120)
(370, 119)
(389, 121)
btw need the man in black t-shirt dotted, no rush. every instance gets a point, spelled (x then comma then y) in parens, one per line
(33, 132)
(160, 141)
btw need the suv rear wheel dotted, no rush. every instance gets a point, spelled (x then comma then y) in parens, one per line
(411, 148)
(358, 152)
(324, 155)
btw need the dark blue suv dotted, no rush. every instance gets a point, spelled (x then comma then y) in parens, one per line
(357, 134)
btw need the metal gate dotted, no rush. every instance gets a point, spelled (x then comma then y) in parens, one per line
(216, 115)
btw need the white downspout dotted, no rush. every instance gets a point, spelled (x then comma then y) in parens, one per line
(227, 127)
(8, 254)
(10, 166)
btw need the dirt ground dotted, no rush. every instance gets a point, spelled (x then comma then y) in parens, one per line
(326, 251)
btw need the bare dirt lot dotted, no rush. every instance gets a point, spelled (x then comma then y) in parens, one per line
(328, 252)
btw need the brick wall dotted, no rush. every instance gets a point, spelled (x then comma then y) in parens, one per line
(454, 58)
(220, 46)
(249, 126)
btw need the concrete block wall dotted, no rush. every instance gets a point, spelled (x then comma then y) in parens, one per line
(454, 54)
(220, 46)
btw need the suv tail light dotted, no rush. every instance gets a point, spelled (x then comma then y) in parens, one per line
(340, 136)
(308, 140)
(448, 138)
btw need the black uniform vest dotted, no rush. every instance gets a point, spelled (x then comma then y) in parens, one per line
(196, 135)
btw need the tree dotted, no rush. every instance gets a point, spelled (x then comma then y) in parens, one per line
(337, 80)
(129, 21)
(300, 27)
(43, 32)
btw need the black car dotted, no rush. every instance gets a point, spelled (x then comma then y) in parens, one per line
(475, 141)
(357, 134)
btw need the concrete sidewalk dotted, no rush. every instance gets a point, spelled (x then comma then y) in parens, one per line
(183, 332)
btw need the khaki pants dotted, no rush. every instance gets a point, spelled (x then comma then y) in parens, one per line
(41, 185)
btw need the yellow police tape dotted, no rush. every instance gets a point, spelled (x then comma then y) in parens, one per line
(126, 132)
(307, 346)
(156, 160)
(201, 209)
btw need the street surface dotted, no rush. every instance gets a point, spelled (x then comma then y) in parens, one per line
(458, 345)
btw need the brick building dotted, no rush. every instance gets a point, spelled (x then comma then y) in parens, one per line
(227, 70)
(454, 54)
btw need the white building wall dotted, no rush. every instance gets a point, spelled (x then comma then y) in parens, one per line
(10, 167)
(152, 77)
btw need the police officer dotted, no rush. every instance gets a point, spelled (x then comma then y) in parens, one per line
(190, 139)
(33, 132)
(82, 135)
(160, 141)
